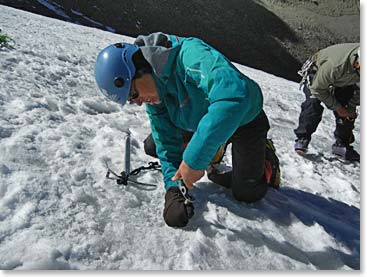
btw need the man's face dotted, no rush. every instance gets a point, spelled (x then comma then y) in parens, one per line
(143, 90)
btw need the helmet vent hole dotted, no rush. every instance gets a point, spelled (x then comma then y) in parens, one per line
(119, 45)
(119, 82)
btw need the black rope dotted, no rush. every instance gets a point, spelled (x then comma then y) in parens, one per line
(123, 178)
(151, 166)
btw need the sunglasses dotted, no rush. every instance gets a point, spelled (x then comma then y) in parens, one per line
(133, 95)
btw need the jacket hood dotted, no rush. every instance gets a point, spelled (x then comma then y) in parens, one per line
(159, 49)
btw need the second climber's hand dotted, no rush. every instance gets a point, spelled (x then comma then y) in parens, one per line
(343, 112)
(188, 175)
(352, 116)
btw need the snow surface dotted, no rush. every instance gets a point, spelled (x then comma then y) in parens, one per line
(58, 211)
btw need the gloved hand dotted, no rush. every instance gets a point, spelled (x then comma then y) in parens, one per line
(353, 113)
(177, 210)
(343, 112)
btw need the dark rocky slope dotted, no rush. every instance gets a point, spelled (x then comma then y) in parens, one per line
(272, 35)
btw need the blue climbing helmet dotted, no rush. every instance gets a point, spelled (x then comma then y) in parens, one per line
(114, 71)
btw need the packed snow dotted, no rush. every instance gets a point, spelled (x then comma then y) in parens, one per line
(58, 211)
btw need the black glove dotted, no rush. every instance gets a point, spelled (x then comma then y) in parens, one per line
(177, 210)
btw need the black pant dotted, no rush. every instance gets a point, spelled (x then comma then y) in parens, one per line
(311, 115)
(246, 179)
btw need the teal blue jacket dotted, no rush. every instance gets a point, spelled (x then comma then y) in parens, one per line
(201, 92)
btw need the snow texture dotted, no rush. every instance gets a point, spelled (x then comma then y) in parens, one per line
(58, 211)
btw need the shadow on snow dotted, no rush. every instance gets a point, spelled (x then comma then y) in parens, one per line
(283, 207)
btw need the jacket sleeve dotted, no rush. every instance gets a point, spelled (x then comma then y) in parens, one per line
(233, 100)
(320, 88)
(168, 140)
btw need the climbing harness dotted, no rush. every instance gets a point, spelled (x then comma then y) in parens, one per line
(307, 71)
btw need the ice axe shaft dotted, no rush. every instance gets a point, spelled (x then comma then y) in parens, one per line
(127, 153)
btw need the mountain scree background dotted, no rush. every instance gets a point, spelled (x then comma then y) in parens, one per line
(275, 36)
